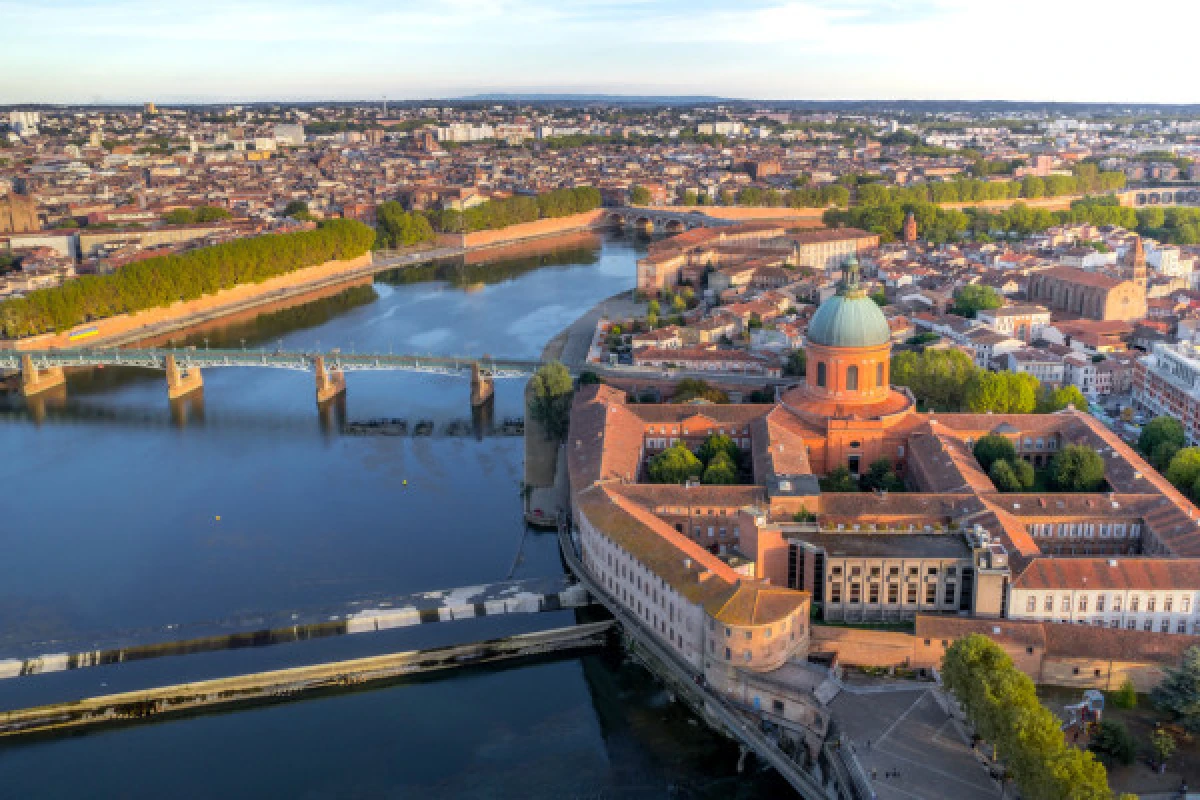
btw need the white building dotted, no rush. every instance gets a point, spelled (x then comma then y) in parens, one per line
(1146, 594)
(1168, 383)
(289, 134)
(463, 132)
(24, 123)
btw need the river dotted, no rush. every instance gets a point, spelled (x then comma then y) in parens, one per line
(128, 520)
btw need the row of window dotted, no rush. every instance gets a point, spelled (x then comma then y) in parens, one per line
(1082, 601)
(836, 571)
(893, 593)
(1086, 530)
(851, 376)
(1164, 626)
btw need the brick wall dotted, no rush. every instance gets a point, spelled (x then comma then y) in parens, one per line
(526, 230)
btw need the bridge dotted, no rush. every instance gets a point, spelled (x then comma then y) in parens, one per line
(662, 220)
(1170, 196)
(42, 370)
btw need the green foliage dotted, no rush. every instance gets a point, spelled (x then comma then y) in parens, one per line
(1179, 692)
(194, 216)
(881, 474)
(1026, 476)
(1005, 478)
(397, 228)
(696, 389)
(1113, 742)
(550, 403)
(1184, 469)
(1163, 743)
(163, 280)
(297, 209)
(1076, 468)
(676, 464)
(1001, 703)
(1002, 392)
(588, 378)
(973, 298)
(938, 378)
(718, 444)
(992, 448)
(839, 479)
(720, 470)
(501, 213)
(639, 196)
(880, 297)
(1125, 696)
(1058, 399)
(1161, 439)
(797, 363)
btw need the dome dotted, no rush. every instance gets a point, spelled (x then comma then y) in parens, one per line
(850, 318)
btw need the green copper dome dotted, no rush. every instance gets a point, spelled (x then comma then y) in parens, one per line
(850, 318)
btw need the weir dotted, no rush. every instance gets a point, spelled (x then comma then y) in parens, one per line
(293, 683)
(469, 602)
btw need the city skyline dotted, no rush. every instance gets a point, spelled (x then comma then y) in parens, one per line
(84, 51)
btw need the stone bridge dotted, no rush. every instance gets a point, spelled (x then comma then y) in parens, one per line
(661, 220)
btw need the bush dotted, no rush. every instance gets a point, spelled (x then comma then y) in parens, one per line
(1077, 469)
(839, 479)
(550, 404)
(992, 448)
(1113, 741)
(1126, 696)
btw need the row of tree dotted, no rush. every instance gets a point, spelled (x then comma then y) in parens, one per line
(195, 216)
(1074, 468)
(1002, 705)
(501, 213)
(715, 463)
(160, 281)
(1086, 178)
(395, 227)
(948, 380)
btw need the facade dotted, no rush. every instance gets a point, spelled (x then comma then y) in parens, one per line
(1090, 295)
(1167, 382)
(1023, 322)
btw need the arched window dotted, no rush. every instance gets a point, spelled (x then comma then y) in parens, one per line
(852, 377)
(879, 374)
(821, 373)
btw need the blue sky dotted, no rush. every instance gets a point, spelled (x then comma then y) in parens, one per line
(176, 50)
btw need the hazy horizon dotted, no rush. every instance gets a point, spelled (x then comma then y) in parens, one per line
(131, 51)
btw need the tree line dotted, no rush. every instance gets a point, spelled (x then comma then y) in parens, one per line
(500, 213)
(396, 227)
(160, 281)
(948, 380)
(195, 216)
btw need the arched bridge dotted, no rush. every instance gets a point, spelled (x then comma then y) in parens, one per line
(1148, 196)
(42, 370)
(662, 220)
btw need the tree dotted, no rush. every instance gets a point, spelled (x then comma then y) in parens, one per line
(721, 470)
(797, 361)
(1163, 743)
(839, 479)
(297, 209)
(1057, 399)
(992, 448)
(881, 474)
(1179, 692)
(880, 297)
(716, 445)
(696, 389)
(1001, 703)
(550, 401)
(1113, 742)
(1005, 478)
(1126, 695)
(588, 378)
(1184, 469)
(1158, 432)
(1076, 468)
(973, 298)
(398, 228)
(676, 464)
(1025, 473)
(639, 196)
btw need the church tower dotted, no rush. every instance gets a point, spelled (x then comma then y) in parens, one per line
(910, 228)
(1135, 259)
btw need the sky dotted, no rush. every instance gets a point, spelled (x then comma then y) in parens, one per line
(109, 51)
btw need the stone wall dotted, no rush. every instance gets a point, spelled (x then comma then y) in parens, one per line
(525, 230)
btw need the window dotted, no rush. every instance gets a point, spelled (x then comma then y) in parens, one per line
(893, 593)
(821, 370)
(835, 593)
(855, 593)
(777, 705)
(931, 593)
(948, 595)
(1165, 627)
(1100, 602)
(1117, 603)
(1131, 624)
(1181, 627)
(1150, 603)
(1083, 603)
(911, 594)
(1186, 605)
(1049, 605)
(1167, 603)
(747, 656)
(1031, 603)
(1147, 625)
(1066, 602)
(728, 655)
(873, 593)
(1133, 603)
(852, 378)
(749, 635)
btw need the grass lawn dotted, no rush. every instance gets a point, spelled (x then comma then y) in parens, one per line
(1138, 777)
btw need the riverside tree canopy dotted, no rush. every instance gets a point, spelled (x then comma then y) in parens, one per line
(160, 281)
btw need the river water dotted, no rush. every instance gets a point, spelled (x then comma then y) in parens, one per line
(128, 520)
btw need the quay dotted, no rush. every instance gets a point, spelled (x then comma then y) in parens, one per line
(293, 683)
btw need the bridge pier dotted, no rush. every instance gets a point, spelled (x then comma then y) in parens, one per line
(35, 381)
(330, 382)
(182, 381)
(483, 387)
